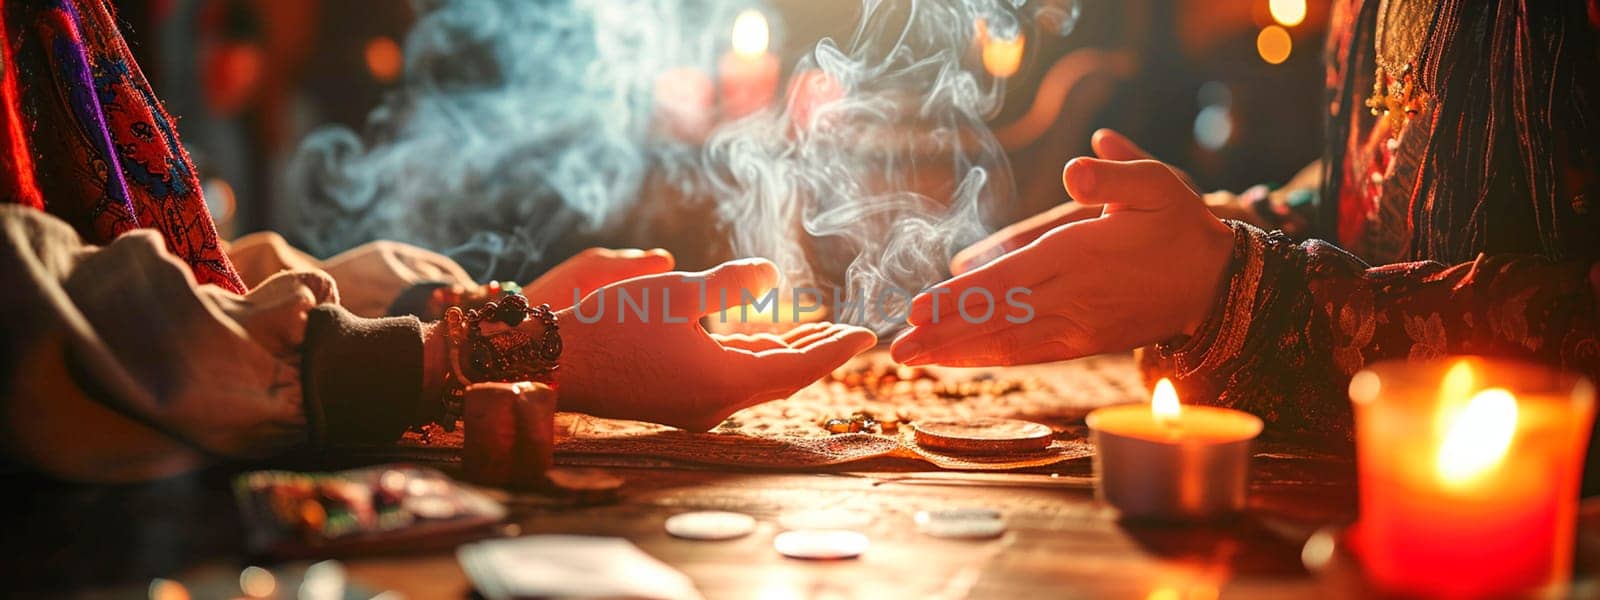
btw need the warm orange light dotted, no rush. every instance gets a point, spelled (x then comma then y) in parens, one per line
(1002, 57)
(384, 58)
(1455, 390)
(750, 34)
(167, 589)
(1274, 45)
(1478, 437)
(257, 582)
(1164, 402)
(1287, 13)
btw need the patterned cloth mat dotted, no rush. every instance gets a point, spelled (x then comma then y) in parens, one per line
(790, 433)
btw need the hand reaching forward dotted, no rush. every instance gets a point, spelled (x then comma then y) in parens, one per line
(1147, 270)
(591, 270)
(1107, 144)
(662, 366)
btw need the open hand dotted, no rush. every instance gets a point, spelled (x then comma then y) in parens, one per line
(1147, 270)
(662, 366)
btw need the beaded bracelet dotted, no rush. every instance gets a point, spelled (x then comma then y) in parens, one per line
(455, 295)
(496, 350)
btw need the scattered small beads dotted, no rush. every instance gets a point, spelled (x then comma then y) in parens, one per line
(889, 383)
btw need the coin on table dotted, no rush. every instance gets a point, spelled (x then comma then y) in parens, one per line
(984, 435)
(820, 544)
(825, 519)
(710, 525)
(584, 485)
(961, 523)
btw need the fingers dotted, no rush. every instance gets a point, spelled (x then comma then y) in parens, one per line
(751, 342)
(275, 311)
(1110, 145)
(688, 296)
(1133, 185)
(805, 330)
(782, 371)
(987, 292)
(1046, 352)
(1019, 234)
(987, 344)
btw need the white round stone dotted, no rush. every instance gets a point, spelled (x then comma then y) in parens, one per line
(710, 525)
(821, 544)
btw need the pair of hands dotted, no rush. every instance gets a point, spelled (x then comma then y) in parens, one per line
(665, 367)
(1137, 259)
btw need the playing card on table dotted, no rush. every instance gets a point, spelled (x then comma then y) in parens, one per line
(570, 566)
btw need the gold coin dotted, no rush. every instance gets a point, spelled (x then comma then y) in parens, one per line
(983, 435)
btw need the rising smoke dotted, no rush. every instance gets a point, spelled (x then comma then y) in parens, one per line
(521, 121)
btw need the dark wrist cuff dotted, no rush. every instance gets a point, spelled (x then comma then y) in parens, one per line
(416, 301)
(1223, 333)
(361, 378)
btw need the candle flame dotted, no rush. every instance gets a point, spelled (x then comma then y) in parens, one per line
(1479, 436)
(1164, 402)
(1002, 56)
(1458, 381)
(750, 35)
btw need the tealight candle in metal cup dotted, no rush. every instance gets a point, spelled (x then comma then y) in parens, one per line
(1168, 462)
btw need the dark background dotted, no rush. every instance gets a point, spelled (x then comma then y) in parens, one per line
(248, 79)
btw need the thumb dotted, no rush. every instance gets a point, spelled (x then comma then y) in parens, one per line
(1110, 145)
(1131, 185)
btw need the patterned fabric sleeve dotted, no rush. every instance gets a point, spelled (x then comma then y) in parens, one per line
(1298, 320)
(104, 154)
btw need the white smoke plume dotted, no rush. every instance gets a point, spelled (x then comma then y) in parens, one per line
(520, 121)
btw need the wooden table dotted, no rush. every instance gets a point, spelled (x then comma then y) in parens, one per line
(1060, 542)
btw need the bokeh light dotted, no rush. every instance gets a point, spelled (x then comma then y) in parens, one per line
(384, 58)
(1213, 127)
(1287, 13)
(750, 33)
(1274, 45)
(167, 589)
(1003, 57)
(220, 199)
(257, 582)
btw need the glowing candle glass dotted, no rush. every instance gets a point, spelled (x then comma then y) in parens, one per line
(1469, 472)
(749, 73)
(1002, 54)
(1168, 461)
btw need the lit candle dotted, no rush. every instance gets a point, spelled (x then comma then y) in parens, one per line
(1469, 473)
(1002, 55)
(1168, 461)
(749, 73)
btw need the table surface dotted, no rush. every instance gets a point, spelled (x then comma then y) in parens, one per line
(1060, 542)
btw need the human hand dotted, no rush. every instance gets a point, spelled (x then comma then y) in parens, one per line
(593, 269)
(662, 366)
(1147, 270)
(274, 312)
(1107, 144)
